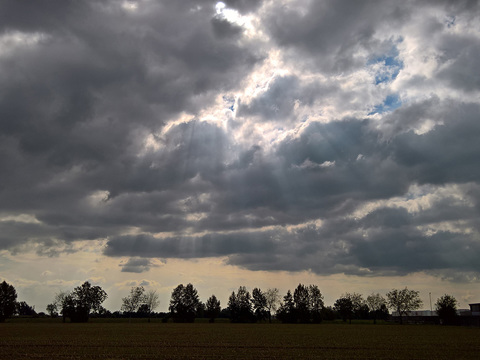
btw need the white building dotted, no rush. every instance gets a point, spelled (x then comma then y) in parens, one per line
(475, 309)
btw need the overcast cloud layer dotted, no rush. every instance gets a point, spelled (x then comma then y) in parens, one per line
(330, 136)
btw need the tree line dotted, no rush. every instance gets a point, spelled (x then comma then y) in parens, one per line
(304, 305)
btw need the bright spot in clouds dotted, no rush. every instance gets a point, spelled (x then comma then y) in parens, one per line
(130, 5)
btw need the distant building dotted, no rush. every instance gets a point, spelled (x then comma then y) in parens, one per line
(417, 313)
(475, 309)
(464, 312)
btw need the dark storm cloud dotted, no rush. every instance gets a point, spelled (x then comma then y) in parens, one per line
(335, 36)
(467, 6)
(461, 70)
(209, 245)
(137, 265)
(243, 6)
(385, 242)
(448, 153)
(298, 186)
(223, 28)
(332, 32)
(88, 88)
(31, 15)
(103, 76)
(80, 97)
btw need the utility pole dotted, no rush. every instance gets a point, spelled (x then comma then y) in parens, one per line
(431, 309)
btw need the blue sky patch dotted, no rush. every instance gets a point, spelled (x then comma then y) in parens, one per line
(229, 101)
(390, 66)
(390, 103)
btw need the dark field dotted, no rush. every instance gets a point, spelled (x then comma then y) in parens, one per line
(123, 340)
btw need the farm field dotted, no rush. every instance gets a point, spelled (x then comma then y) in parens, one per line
(140, 340)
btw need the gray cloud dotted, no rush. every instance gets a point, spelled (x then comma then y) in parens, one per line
(137, 265)
(244, 6)
(447, 154)
(278, 102)
(225, 29)
(384, 242)
(80, 98)
(394, 243)
(460, 71)
(189, 247)
(331, 33)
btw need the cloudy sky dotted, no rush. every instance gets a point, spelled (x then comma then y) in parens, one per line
(244, 142)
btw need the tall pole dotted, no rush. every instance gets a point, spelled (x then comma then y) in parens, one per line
(431, 309)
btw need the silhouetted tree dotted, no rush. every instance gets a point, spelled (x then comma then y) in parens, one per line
(8, 298)
(84, 299)
(132, 302)
(184, 303)
(52, 310)
(446, 308)
(151, 302)
(328, 313)
(286, 313)
(259, 302)
(315, 303)
(23, 309)
(350, 305)
(362, 312)
(383, 314)
(201, 310)
(304, 306)
(212, 308)
(240, 306)
(176, 303)
(142, 311)
(60, 304)
(225, 313)
(344, 307)
(360, 309)
(403, 301)
(301, 301)
(376, 304)
(273, 302)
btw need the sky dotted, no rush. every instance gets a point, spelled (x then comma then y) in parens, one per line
(244, 142)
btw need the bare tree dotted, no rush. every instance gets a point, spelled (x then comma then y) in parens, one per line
(403, 301)
(357, 300)
(376, 303)
(152, 302)
(59, 304)
(132, 302)
(273, 301)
